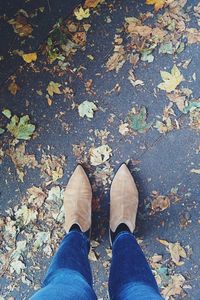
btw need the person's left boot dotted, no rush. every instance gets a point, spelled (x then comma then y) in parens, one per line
(78, 201)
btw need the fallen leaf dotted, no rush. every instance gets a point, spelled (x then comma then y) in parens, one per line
(36, 196)
(53, 88)
(176, 251)
(30, 57)
(123, 128)
(13, 88)
(20, 128)
(100, 154)
(117, 60)
(158, 4)
(25, 215)
(55, 199)
(87, 108)
(179, 99)
(81, 13)
(159, 202)
(79, 38)
(175, 287)
(21, 159)
(133, 80)
(52, 166)
(1, 132)
(21, 26)
(7, 113)
(171, 80)
(193, 35)
(195, 171)
(92, 3)
(138, 120)
(41, 238)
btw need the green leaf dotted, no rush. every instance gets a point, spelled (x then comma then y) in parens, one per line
(7, 113)
(1, 130)
(191, 106)
(21, 128)
(147, 56)
(138, 121)
(166, 48)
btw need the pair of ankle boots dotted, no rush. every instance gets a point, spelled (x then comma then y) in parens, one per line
(123, 201)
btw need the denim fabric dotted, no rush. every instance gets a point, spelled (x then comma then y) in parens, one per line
(130, 275)
(69, 275)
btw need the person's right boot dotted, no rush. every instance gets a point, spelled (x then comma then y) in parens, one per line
(78, 202)
(123, 202)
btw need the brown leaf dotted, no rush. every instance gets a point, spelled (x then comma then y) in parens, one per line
(92, 3)
(13, 88)
(21, 26)
(159, 202)
(193, 35)
(21, 159)
(36, 196)
(175, 287)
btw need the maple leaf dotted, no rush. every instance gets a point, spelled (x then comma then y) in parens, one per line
(53, 88)
(158, 4)
(87, 109)
(81, 14)
(138, 120)
(171, 80)
(20, 128)
(30, 57)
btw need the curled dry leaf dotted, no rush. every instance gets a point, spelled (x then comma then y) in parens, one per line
(159, 202)
(22, 160)
(13, 88)
(100, 154)
(176, 251)
(124, 128)
(175, 287)
(21, 26)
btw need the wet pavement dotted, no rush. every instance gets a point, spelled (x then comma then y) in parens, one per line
(161, 163)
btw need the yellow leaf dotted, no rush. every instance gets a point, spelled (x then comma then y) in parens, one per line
(30, 57)
(92, 3)
(81, 14)
(158, 4)
(170, 80)
(53, 88)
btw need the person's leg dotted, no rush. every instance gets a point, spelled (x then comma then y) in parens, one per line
(130, 275)
(69, 275)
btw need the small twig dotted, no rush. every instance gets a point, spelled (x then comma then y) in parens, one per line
(49, 6)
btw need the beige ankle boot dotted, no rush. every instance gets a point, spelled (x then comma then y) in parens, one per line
(123, 200)
(78, 201)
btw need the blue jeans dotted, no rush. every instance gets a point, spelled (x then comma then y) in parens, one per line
(69, 275)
